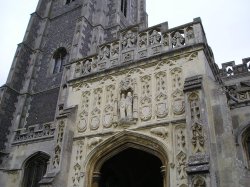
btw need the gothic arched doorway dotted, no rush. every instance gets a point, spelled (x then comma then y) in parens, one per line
(131, 168)
(144, 152)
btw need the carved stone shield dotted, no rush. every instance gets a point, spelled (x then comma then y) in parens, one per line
(107, 120)
(82, 125)
(146, 113)
(161, 109)
(178, 106)
(95, 123)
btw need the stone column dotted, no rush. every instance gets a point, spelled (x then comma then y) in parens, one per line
(96, 179)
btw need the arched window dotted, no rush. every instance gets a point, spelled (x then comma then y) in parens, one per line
(34, 169)
(246, 145)
(59, 58)
(124, 7)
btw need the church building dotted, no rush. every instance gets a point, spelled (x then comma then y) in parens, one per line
(96, 98)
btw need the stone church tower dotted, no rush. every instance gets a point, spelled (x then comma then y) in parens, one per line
(95, 98)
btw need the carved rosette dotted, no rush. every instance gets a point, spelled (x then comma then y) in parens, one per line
(161, 94)
(146, 101)
(83, 122)
(96, 112)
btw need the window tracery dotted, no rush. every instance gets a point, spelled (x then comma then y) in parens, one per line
(34, 169)
(59, 58)
(124, 7)
(246, 145)
(69, 1)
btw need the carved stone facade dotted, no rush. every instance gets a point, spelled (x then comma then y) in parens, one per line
(130, 105)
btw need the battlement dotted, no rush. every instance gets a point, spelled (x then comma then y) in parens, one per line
(133, 45)
(231, 70)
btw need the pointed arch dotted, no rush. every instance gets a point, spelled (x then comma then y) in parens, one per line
(124, 140)
(34, 167)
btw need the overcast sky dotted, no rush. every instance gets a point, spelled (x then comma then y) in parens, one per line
(226, 23)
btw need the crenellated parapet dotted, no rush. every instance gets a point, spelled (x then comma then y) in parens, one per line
(135, 45)
(231, 70)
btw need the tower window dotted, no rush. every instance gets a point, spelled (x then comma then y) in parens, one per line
(69, 1)
(59, 58)
(124, 7)
(35, 169)
(247, 147)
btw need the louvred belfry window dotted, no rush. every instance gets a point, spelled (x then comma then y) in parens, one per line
(59, 58)
(124, 7)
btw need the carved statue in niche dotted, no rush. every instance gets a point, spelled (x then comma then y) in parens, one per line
(128, 100)
(126, 105)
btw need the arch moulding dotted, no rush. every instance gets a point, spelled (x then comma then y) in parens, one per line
(116, 144)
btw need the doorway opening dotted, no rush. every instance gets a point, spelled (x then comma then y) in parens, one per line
(132, 168)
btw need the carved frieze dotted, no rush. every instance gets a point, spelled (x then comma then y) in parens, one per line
(178, 39)
(154, 37)
(34, 133)
(129, 39)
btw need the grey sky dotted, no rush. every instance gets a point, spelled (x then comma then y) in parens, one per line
(226, 23)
